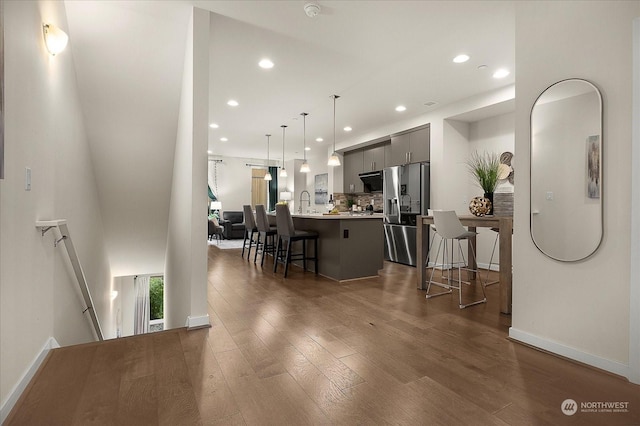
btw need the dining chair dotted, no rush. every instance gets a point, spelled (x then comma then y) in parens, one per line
(215, 230)
(249, 229)
(266, 234)
(448, 226)
(287, 235)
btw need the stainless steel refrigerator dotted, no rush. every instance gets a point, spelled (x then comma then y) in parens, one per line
(406, 196)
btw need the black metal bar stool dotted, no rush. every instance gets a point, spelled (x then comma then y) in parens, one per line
(249, 229)
(287, 234)
(266, 235)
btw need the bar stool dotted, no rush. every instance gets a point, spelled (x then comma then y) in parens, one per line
(449, 227)
(488, 283)
(266, 233)
(249, 229)
(444, 265)
(287, 234)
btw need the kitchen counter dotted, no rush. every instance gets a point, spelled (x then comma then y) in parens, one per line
(350, 246)
(341, 216)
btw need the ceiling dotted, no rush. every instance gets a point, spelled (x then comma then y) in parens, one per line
(374, 54)
(128, 58)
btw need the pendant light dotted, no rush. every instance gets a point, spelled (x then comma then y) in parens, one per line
(283, 171)
(268, 175)
(304, 168)
(334, 159)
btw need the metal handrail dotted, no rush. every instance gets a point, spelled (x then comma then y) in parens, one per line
(64, 236)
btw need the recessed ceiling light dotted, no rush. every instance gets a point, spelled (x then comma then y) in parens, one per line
(266, 63)
(209, 152)
(319, 140)
(213, 125)
(307, 148)
(461, 58)
(501, 73)
(347, 129)
(482, 67)
(401, 108)
(224, 139)
(232, 102)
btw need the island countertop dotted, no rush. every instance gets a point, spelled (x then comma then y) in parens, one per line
(346, 216)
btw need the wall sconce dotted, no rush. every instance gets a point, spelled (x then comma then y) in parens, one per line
(55, 39)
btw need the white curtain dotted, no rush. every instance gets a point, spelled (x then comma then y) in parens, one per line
(141, 289)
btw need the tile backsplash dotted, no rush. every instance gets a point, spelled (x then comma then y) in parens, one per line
(362, 200)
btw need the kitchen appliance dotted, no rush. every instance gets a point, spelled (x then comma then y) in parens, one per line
(405, 197)
(372, 181)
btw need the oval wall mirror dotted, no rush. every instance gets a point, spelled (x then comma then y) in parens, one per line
(566, 170)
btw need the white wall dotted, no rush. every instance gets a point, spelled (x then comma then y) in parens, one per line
(494, 134)
(44, 131)
(186, 259)
(579, 310)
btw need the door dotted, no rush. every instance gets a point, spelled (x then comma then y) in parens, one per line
(391, 194)
(374, 158)
(352, 168)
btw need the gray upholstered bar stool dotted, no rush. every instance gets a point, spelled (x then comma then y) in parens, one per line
(249, 229)
(287, 234)
(266, 235)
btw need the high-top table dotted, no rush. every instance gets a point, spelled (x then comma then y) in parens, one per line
(505, 229)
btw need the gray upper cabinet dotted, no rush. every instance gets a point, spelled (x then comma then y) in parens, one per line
(411, 146)
(400, 147)
(353, 165)
(373, 158)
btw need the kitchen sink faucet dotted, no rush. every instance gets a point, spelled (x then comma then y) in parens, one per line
(308, 200)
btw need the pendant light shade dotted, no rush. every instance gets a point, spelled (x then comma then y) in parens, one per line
(304, 168)
(283, 171)
(268, 175)
(334, 159)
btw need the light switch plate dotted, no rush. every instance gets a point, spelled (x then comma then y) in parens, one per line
(27, 179)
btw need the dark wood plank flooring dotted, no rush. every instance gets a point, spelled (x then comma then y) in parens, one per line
(307, 350)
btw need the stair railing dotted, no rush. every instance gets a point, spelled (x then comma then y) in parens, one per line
(63, 236)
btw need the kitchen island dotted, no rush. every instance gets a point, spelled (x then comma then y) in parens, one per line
(350, 246)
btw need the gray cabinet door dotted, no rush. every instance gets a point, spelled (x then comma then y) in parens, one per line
(373, 158)
(400, 147)
(411, 146)
(387, 155)
(353, 166)
(419, 145)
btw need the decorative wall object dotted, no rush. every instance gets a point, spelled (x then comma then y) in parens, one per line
(505, 165)
(321, 188)
(593, 166)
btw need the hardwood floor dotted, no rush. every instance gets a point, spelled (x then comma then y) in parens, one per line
(307, 350)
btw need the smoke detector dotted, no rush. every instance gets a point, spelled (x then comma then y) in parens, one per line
(312, 10)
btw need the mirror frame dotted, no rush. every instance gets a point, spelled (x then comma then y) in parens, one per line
(601, 118)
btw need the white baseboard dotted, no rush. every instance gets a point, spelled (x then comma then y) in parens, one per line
(16, 392)
(571, 353)
(198, 322)
(494, 266)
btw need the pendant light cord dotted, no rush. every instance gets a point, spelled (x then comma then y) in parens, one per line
(334, 123)
(283, 127)
(304, 134)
